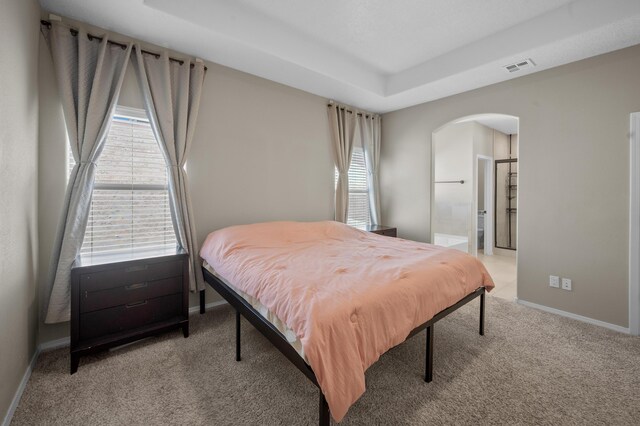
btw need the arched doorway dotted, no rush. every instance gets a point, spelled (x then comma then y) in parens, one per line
(474, 192)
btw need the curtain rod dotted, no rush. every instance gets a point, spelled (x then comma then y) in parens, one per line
(350, 111)
(74, 33)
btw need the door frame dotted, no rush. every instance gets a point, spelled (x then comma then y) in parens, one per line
(488, 205)
(634, 224)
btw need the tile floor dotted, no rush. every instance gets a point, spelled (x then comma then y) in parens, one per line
(503, 272)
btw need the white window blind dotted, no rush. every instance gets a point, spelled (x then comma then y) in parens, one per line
(358, 214)
(130, 203)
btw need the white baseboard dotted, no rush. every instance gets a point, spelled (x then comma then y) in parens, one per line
(42, 347)
(588, 320)
(196, 309)
(23, 384)
(54, 344)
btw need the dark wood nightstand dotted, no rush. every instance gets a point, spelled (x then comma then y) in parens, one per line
(382, 230)
(116, 299)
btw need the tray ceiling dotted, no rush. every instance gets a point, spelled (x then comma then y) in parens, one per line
(379, 55)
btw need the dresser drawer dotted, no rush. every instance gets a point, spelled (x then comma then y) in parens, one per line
(129, 316)
(101, 299)
(130, 275)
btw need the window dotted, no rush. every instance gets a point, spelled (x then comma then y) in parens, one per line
(130, 204)
(358, 214)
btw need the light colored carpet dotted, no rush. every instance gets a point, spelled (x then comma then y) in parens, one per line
(530, 368)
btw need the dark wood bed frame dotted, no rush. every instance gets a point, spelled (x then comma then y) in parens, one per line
(243, 307)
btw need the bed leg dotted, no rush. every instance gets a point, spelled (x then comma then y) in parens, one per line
(482, 314)
(238, 335)
(325, 418)
(428, 373)
(202, 301)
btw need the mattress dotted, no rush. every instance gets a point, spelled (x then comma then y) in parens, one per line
(268, 315)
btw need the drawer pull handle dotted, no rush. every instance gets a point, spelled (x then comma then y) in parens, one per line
(135, 305)
(137, 268)
(136, 286)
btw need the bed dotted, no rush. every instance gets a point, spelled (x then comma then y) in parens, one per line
(333, 298)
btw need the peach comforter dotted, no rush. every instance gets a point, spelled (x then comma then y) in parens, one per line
(349, 295)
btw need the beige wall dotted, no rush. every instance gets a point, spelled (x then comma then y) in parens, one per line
(261, 152)
(52, 179)
(501, 146)
(574, 176)
(18, 192)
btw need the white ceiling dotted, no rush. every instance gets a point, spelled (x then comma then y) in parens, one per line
(506, 124)
(379, 55)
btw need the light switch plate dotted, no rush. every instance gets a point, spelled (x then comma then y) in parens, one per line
(554, 281)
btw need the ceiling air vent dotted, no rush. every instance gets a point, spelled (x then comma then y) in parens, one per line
(523, 64)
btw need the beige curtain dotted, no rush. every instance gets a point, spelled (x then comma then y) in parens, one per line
(342, 124)
(89, 74)
(370, 138)
(171, 93)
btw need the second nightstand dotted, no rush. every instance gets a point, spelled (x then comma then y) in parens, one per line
(389, 231)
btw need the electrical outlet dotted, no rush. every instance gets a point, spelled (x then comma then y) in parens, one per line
(554, 281)
(566, 284)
